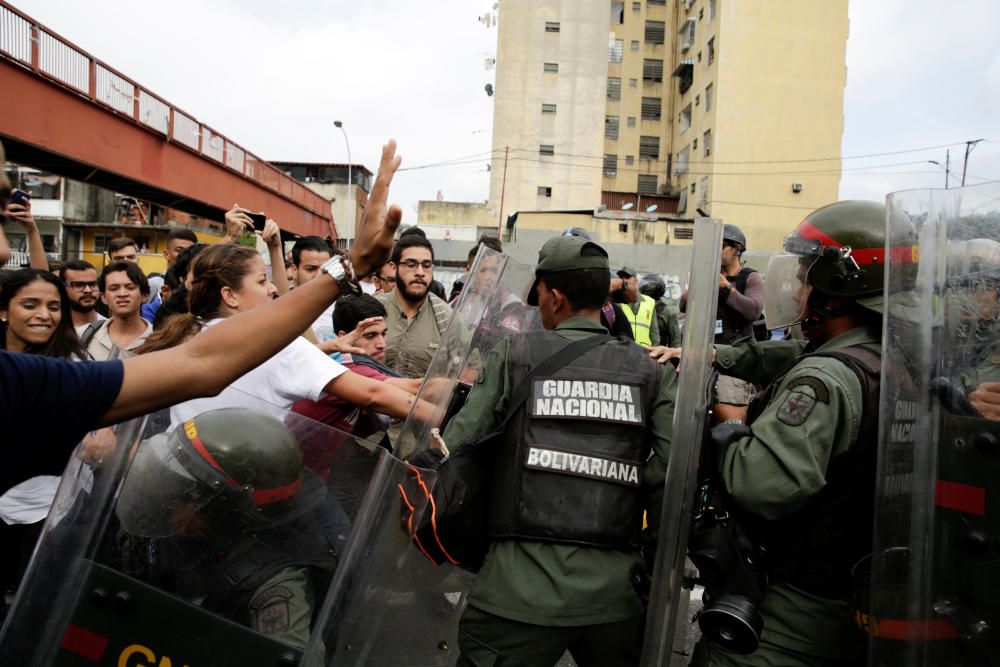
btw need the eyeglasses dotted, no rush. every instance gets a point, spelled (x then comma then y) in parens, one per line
(80, 285)
(411, 264)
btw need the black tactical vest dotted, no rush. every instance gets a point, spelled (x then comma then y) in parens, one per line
(815, 548)
(570, 466)
(734, 325)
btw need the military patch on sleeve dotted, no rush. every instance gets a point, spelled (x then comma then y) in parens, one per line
(269, 609)
(796, 408)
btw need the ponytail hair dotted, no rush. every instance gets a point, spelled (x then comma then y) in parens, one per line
(215, 267)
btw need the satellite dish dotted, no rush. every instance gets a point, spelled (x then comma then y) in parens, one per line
(489, 89)
(627, 206)
(650, 209)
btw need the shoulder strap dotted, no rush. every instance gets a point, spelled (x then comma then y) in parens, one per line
(867, 366)
(548, 367)
(742, 277)
(88, 333)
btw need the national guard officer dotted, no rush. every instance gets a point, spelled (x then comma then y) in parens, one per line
(221, 511)
(579, 460)
(653, 286)
(805, 467)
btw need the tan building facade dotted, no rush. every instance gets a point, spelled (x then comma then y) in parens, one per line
(736, 106)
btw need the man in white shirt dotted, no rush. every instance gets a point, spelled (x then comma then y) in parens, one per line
(124, 289)
(80, 278)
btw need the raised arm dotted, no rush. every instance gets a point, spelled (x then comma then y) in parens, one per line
(36, 251)
(213, 359)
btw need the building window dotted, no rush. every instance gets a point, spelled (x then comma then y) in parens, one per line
(548, 108)
(651, 108)
(681, 166)
(635, 45)
(544, 191)
(636, 6)
(618, 12)
(551, 26)
(649, 148)
(697, 100)
(652, 71)
(708, 97)
(683, 233)
(655, 32)
(631, 121)
(706, 140)
(684, 119)
(610, 165)
(614, 88)
(701, 13)
(687, 34)
(693, 187)
(711, 51)
(633, 83)
(656, 2)
(646, 184)
(623, 227)
(711, 9)
(629, 160)
(546, 149)
(694, 144)
(611, 127)
(615, 49)
(551, 67)
(703, 199)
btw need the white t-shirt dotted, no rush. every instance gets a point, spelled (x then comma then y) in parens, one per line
(299, 370)
(323, 326)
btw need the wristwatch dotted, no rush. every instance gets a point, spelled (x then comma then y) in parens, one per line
(339, 268)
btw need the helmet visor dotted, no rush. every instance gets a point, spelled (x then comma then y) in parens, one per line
(159, 497)
(786, 290)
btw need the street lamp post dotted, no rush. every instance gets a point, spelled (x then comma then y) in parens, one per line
(350, 186)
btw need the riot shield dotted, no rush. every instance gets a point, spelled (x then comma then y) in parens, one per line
(209, 542)
(665, 610)
(935, 567)
(404, 610)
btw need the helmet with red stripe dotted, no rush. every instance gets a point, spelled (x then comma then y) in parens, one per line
(241, 466)
(841, 251)
(848, 241)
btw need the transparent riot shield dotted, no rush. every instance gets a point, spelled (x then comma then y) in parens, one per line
(665, 610)
(404, 610)
(935, 568)
(210, 541)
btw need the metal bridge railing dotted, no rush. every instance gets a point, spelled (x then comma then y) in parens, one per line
(29, 44)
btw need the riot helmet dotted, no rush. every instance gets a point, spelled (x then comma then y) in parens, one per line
(734, 235)
(653, 286)
(240, 466)
(840, 251)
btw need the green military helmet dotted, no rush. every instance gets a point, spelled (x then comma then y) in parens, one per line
(847, 240)
(245, 450)
(241, 466)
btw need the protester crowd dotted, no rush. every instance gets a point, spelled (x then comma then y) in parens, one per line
(222, 342)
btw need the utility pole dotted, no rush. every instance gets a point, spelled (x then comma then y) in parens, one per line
(503, 188)
(969, 145)
(947, 167)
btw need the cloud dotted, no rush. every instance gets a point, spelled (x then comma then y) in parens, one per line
(274, 76)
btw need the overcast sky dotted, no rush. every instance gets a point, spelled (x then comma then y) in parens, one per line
(273, 76)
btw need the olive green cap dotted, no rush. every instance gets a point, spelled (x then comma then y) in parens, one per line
(565, 253)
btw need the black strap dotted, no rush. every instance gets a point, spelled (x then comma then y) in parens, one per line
(547, 368)
(88, 333)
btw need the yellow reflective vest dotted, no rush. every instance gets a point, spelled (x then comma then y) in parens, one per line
(642, 320)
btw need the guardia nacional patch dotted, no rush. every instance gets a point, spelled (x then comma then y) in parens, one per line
(269, 609)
